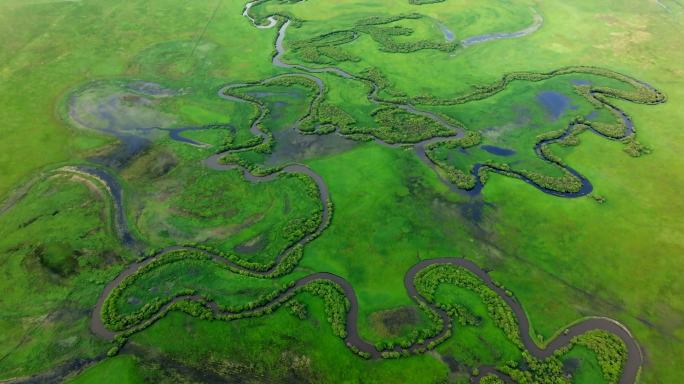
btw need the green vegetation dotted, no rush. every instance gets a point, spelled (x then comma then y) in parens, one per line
(359, 91)
(120, 369)
(139, 294)
(609, 349)
(384, 31)
(248, 222)
(398, 126)
(324, 49)
(438, 154)
(53, 277)
(428, 280)
(491, 379)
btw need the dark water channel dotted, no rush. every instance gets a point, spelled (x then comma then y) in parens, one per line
(494, 150)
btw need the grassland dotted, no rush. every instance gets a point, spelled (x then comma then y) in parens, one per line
(223, 211)
(613, 253)
(58, 251)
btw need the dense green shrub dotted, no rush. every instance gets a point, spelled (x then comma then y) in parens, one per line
(194, 308)
(396, 125)
(548, 371)
(460, 313)
(634, 148)
(428, 280)
(324, 49)
(456, 176)
(567, 183)
(491, 379)
(385, 37)
(610, 351)
(642, 93)
(297, 309)
(336, 304)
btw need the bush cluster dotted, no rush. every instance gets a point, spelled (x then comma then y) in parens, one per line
(359, 352)
(297, 309)
(460, 313)
(610, 351)
(548, 371)
(642, 94)
(568, 183)
(491, 379)
(324, 49)
(385, 37)
(396, 125)
(428, 280)
(336, 304)
(194, 308)
(634, 148)
(435, 152)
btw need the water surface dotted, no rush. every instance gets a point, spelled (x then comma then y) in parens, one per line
(448, 34)
(494, 150)
(555, 103)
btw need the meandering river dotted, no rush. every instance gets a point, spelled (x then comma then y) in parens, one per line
(634, 359)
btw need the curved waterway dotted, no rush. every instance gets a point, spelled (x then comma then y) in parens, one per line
(630, 369)
(419, 147)
(224, 93)
(634, 357)
(213, 162)
(107, 181)
(116, 193)
(450, 36)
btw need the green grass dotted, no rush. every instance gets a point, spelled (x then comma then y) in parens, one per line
(588, 370)
(38, 50)
(387, 218)
(120, 369)
(222, 210)
(563, 258)
(206, 277)
(51, 278)
(475, 345)
(322, 356)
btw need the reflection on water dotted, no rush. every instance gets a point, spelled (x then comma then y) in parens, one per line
(555, 103)
(494, 150)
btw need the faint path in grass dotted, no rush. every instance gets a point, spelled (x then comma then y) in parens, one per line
(204, 30)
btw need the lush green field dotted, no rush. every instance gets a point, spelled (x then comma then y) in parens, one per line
(58, 252)
(136, 88)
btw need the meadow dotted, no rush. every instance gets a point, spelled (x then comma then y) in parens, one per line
(152, 103)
